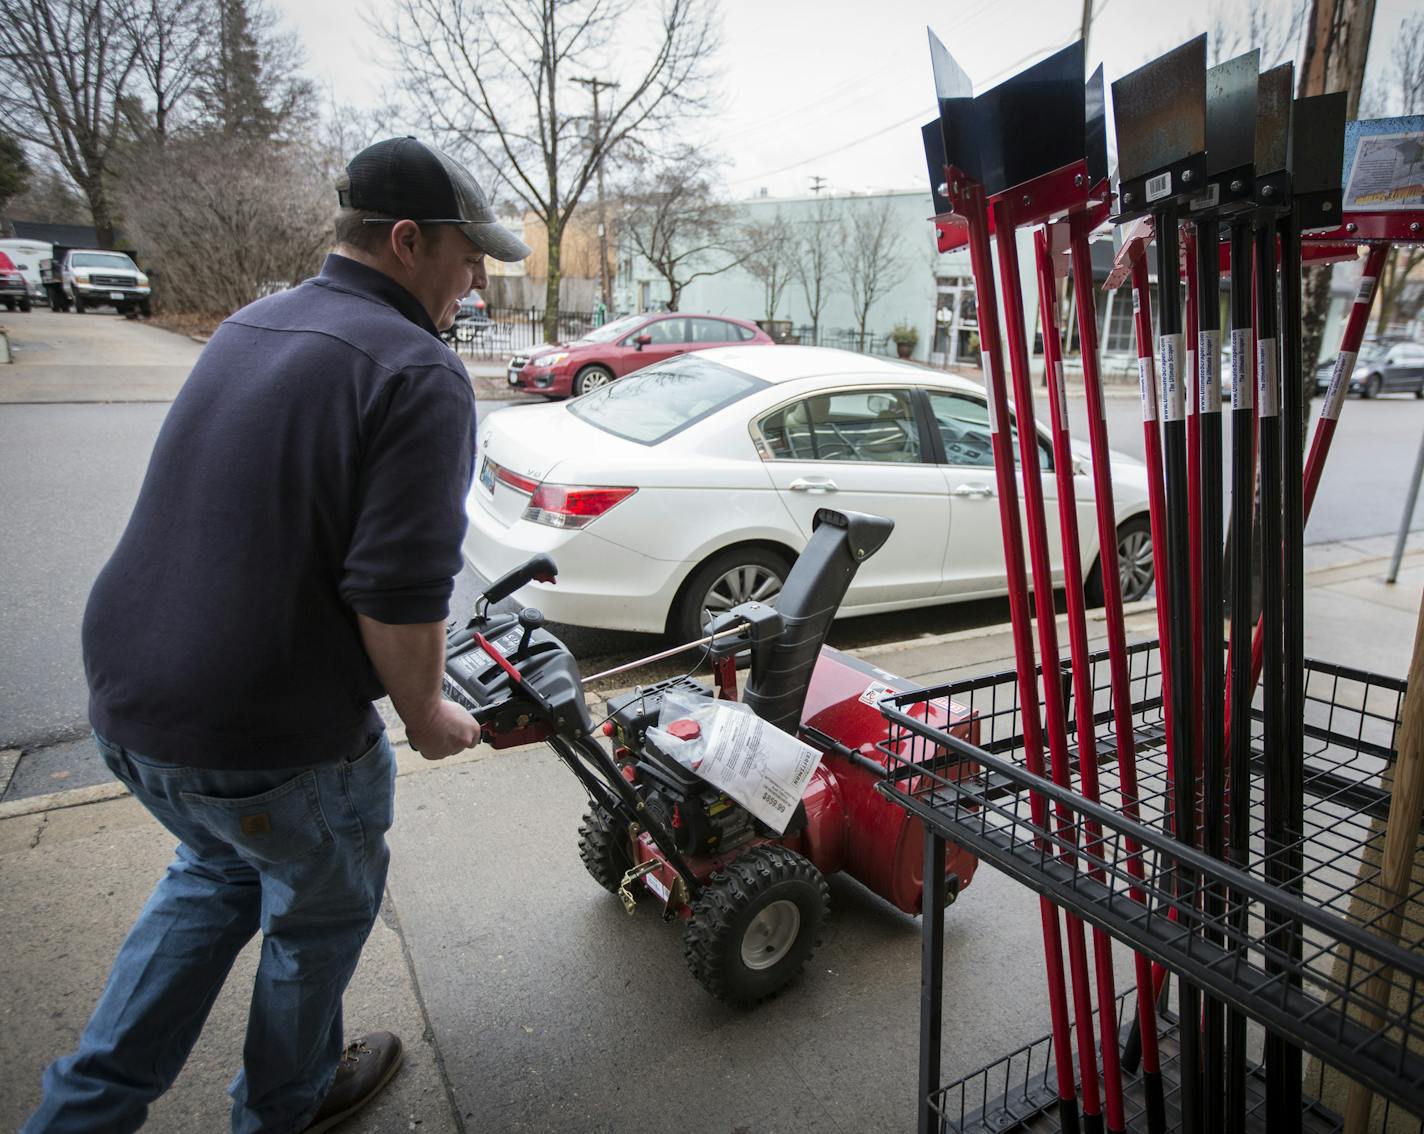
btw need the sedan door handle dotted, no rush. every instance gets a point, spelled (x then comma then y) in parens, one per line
(973, 490)
(813, 484)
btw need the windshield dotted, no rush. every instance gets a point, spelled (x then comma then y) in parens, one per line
(1375, 350)
(102, 260)
(610, 331)
(652, 405)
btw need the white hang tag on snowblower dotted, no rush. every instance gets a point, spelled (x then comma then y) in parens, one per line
(763, 768)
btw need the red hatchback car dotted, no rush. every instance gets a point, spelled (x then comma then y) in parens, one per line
(623, 346)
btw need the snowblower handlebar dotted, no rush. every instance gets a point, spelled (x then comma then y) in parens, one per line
(540, 569)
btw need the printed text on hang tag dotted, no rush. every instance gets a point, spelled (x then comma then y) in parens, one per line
(1267, 386)
(1169, 355)
(1147, 384)
(1243, 381)
(986, 360)
(1209, 372)
(1339, 385)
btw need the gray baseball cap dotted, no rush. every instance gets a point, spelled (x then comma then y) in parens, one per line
(410, 180)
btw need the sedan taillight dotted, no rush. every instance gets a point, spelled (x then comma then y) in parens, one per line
(572, 506)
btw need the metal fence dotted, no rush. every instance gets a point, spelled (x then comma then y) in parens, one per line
(505, 331)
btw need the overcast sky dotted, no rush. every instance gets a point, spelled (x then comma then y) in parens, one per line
(839, 89)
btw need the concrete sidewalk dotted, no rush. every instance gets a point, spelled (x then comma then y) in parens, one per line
(528, 1000)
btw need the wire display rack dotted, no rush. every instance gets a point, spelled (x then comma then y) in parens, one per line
(1301, 959)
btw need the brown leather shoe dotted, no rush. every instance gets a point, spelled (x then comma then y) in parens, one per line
(367, 1065)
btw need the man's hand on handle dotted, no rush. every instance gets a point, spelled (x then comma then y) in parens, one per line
(410, 660)
(447, 730)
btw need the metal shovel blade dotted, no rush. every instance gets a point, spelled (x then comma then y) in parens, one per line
(1317, 143)
(1095, 127)
(958, 118)
(1160, 111)
(933, 137)
(1033, 123)
(1231, 90)
(1273, 115)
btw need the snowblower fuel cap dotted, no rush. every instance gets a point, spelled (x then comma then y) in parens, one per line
(685, 730)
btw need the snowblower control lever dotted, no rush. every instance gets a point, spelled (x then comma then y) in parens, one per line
(540, 569)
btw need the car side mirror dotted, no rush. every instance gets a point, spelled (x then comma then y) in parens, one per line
(641, 341)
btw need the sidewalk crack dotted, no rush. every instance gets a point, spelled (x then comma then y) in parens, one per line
(39, 831)
(391, 916)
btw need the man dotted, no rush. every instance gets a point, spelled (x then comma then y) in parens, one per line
(290, 559)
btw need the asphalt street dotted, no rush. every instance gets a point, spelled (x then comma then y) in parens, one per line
(79, 412)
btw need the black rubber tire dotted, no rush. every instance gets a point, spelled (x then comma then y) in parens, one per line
(145, 308)
(685, 618)
(603, 846)
(78, 304)
(26, 306)
(1093, 586)
(590, 378)
(1373, 385)
(731, 902)
(9, 305)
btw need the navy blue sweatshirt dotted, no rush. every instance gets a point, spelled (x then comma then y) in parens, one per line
(314, 465)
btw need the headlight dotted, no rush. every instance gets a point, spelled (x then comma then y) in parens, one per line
(142, 280)
(81, 277)
(551, 359)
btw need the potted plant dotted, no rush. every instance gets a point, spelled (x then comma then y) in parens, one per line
(904, 337)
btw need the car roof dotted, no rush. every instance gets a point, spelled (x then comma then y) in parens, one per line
(794, 363)
(654, 316)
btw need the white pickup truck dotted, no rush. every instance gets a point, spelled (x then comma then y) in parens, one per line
(94, 277)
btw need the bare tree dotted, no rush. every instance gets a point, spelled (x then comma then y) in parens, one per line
(1272, 26)
(1402, 93)
(498, 81)
(171, 37)
(871, 257)
(770, 256)
(226, 223)
(675, 223)
(65, 67)
(819, 239)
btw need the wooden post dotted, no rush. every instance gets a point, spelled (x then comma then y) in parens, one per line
(1406, 803)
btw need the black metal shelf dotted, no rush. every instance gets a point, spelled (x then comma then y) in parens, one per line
(1309, 977)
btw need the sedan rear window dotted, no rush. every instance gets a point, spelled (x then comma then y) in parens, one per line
(652, 405)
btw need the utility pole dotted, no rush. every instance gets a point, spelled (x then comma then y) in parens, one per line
(605, 280)
(817, 183)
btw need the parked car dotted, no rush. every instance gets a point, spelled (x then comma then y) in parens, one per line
(13, 291)
(26, 256)
(691, 486)
(470, 323)
(623, 346)
(85, 278)
(1384, 366)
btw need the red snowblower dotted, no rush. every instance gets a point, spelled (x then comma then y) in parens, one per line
(744, 872)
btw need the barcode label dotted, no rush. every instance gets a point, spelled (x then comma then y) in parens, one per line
(1136, 301)
(1339, 385)
(1208, 200)
(1169, 358)
(1268, 385)
(1367, 290)
(1147, 384)
(1242, 379)
(1062, 392)
(1159, 186)
(1209, 372)
(987, 361)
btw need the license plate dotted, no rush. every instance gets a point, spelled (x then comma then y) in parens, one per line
(514, 377)
(116, 295)
(487, 475)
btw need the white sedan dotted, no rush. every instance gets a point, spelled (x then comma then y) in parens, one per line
(691, 486)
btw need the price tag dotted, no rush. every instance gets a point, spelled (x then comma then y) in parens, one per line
(1062, 391)
(1268, 385)
(1147, 384)
(1243, 381)
(1159, 186)
(1339, 385)
(1209, 372)
(987, 362)
(1189, 379)
(1169, 357)
(1136, 301)
(1367, 290)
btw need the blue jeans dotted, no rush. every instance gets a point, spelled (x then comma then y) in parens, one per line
(299, 853)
